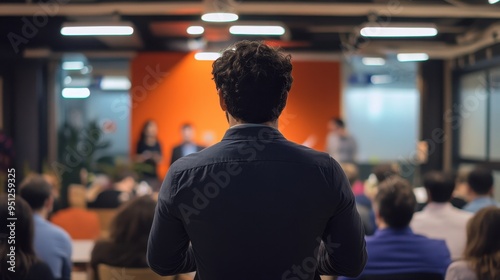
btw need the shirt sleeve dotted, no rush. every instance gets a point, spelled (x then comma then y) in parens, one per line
(67, 264)
(343, 248)
(169, 252)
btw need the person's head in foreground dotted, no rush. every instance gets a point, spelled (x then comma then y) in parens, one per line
(25, 255)
(480, 182)
(253, 81)
(394, 203)
(38, 193)
(482, 251)
(133, 221)
(439, 186)
(379, 173)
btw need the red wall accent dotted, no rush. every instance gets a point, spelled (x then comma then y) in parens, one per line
(183, 92)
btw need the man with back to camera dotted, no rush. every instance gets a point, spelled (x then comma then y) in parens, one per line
(256, 206)
(52, 243)
(395, 252)
(480, 181)
(439, 219)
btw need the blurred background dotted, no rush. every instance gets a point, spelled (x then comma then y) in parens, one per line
(93, 90)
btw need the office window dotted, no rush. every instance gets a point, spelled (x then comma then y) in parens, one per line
(473, 116)
(494, 125)
(381, 108)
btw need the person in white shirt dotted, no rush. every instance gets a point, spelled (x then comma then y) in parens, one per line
(339, 144)
(439, 219)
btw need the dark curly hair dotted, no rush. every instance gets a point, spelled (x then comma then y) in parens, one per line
(254, 80)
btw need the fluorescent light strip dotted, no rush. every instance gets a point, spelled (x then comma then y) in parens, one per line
(195, 30)
(405, 57)
(219, 17)
(256, 30)
(380, 79)
(493, 1)
(73, 65)
(373, 61)
(398, 31)
(75, 92)
(207, 55)
(115, 83)
(97, 30)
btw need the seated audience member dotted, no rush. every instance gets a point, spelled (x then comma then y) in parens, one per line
(53, 180)
(379, 174)
(52, 244)
(120, 192)
(77, 220)
(480, 190)
(26, 265)
(99, 183)
(365, 212)
(394, 249)
(358, 187)
(481, 259)
(459, 197)
(127, 244)
(439, 219)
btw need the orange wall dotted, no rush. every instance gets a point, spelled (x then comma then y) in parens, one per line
(186, 93)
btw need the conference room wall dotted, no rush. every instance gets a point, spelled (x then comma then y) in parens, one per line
(174, 88)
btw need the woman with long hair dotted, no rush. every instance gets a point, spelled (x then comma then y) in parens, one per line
(148, 150)
(24, 265)
(482, 252)
(129, 232)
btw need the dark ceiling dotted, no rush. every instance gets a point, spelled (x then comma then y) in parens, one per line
(314, 26)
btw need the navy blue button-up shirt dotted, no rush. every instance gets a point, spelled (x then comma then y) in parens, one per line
(400, 251)
(256, 206)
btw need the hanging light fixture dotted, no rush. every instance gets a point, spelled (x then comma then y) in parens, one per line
(219, 11)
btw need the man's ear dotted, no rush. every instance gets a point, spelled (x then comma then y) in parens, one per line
(222, 102)
(378, 220)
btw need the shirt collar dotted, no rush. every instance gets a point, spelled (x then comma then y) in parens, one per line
(483, 199)
(37, 217)
(437, 206)
(252, 132)
(393, 231)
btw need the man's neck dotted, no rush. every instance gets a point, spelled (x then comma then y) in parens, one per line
(479, 196)
(232, 122)
(42, 213)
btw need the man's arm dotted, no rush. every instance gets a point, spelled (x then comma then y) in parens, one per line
(67, 263)
(343, 250)
(169, 252)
